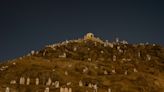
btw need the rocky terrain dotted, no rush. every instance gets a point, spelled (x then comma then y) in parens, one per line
(88, 64)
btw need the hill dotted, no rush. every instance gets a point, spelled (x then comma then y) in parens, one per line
(86, 65)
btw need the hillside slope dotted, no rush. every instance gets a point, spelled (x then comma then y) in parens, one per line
(87, 65)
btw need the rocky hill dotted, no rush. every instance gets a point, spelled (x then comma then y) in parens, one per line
(88, 64)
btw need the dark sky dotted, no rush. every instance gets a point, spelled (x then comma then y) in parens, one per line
(30, 25)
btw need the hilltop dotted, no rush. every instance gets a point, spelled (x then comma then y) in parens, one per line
(88, 64)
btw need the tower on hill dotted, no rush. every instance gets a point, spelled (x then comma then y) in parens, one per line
(89, 36)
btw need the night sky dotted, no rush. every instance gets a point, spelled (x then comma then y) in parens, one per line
(26, 25)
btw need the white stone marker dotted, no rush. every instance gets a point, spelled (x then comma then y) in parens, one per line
(28, 81)
(61, 89)
(139, 54)
(126, 72)
(85, 69)
(90, 85)
(148, 57)
(111, 45)
(37, 81)
(105, 72)
(14, 63)
(56, 84)
(69, 83)
(117, 40)
(7, 89)
(135, 70)
(13, 82)
(63, 56)
(49, 82)
(89, 59)
(32, 52)
(114, 58)
(102, 52)
(113, 71)
(70, 90)
(65, 89)
(74, 49)
(47, 89)
(109, 90)
(95, 88)
(66, 73)
(80, 83)
(22, 80)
